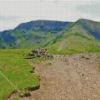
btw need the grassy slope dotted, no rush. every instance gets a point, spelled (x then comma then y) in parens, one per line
(78, 39)
(76, 43)
(37, 38)
(16, 69)
(32, 34)
(88, 27)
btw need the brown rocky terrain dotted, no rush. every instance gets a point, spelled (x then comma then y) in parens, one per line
(68, 77)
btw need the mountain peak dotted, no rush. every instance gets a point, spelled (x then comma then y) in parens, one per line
(81, 19)
(84, 20)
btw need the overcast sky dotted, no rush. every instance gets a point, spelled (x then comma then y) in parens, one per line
(12, 13)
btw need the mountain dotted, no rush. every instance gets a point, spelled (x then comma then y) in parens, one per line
(89, 28)
(59, 37)
(34, 33)
(82, 36)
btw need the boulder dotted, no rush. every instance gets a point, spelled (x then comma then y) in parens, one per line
(30, 54)
(87, 57)
(40, 53)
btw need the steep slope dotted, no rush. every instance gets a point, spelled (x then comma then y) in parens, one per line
(83, 36)
(89, 27)
(76, 44)
(33, 34)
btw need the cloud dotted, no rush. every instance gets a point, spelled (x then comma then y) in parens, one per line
(92, 8)
(8, 18)
(12, 13)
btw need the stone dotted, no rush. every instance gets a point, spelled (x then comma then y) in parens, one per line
(83, 57)
(40, 53)
(82, 74)
(30, 54)
(87, 57)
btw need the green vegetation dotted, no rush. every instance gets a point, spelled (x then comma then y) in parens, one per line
(44, 33)
(80, 36)
(24, 93)
(16, 69)
(32, 34)
(36, 59)
(76, 43)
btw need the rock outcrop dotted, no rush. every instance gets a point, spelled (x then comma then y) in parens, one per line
(40, 53)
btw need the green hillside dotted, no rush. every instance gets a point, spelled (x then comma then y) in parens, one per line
(33, 34)
(42, 33)
(60, 37)
(82, 36)
(15, 70)
(74, 43)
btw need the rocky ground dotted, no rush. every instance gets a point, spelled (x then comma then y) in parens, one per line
(68, 77)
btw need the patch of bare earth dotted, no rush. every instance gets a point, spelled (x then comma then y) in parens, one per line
(68, 77)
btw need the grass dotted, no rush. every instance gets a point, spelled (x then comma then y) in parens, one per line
(36, 59)
(78, 44)
(16, 69)
(24, 93)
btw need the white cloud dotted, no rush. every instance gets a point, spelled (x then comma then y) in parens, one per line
(15, 12)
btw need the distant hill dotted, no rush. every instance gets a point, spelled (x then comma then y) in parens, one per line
(82, 36)
(55, 35)
(88, 27)
(34, 33)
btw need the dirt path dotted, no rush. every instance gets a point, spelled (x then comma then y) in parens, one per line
(61, 45)
(68, 77)
(74, 77)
